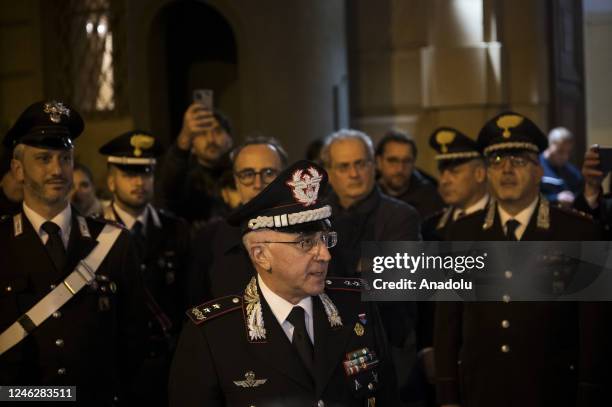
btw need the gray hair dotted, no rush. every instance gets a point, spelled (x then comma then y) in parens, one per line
(345, 134)
(559, 134)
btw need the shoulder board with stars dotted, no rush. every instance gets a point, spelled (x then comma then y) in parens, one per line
(215, 308)
(345, 284)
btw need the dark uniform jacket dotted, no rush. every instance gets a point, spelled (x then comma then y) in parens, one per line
(224, 360)
(95, 340)
(8, 207)
(163, 271)
(517, 354)
(422, 194)
(220, 265)
(189, 189)
(601, 214)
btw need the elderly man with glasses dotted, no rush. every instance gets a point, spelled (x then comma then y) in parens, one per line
(219, 265)
(293, 336)
(361, 212)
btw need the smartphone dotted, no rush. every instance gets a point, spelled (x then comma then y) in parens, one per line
(204, 97)
(605, 159)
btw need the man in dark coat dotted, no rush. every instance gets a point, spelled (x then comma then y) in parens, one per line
(162, 244)
(192, 167)
(361, 212)
(294, 337)
(505, 353)
(49, 257)
(396, 154)
(220, 265)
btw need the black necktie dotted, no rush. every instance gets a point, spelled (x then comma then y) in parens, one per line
(139, 239)
(511, 226)
(301, 341)
(54, 245)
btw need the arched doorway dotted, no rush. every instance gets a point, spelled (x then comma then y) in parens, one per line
(194, 47)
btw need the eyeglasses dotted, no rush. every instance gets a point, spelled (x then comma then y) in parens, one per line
(247, 176)
(306, 244)
(516, 161)
(359, 165)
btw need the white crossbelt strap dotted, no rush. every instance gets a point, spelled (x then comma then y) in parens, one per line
(82, 275)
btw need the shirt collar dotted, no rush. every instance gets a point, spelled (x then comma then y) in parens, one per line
(481, 204)
(128, 220)
(62, 219)
(281, 307)
(523, 217)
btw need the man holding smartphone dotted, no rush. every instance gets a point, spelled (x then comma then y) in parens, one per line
(192, 166)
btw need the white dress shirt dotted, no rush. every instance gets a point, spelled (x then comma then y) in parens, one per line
(62, 219)
(523, 217)
(281, 309)
(480, 204)
(129, 220)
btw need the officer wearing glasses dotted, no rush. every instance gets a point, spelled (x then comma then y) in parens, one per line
(220, 266)
(292, 336)
(516, 353)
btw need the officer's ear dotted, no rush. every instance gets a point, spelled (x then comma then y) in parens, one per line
(17, 169)
(258, 252)
(260, 256)
(480, 173)
(110, 180)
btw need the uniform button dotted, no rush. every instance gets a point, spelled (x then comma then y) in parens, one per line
(143, 266)
(152, 354)
(61, 371)
(320, 403)
(505, 348)
(571, 367)
(370, 386)
(505, 323)
(52, 287)
(57, 314)
(235, 300)
(9, 288)
(506, 298)
(59, 342)
(508, 274)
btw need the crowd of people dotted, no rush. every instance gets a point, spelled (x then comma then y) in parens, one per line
(221, 273)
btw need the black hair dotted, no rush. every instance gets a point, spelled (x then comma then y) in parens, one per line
(396, 136)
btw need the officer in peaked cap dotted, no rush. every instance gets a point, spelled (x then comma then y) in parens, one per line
(504, 347)
(462, 186)
(72, 303)
(294, 337)
(162, 242)
(462, 182)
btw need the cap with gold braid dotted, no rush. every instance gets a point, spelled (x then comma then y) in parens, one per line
(452, 146)
(291, 203)
(133, 151)
(511, 131)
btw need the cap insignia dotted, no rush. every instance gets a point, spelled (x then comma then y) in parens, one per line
(305, 186)
(507, 122)
(443, 138)
(55, 110)
(141, 142)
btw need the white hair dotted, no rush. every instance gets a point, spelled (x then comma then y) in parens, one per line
(345, 134)
(559, 134)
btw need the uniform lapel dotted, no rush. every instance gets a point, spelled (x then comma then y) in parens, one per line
(153, 238)
(79, 245)
(277, 352)
(32, 254)
(329, 345)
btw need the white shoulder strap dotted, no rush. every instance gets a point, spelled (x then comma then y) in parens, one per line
(82, 275)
